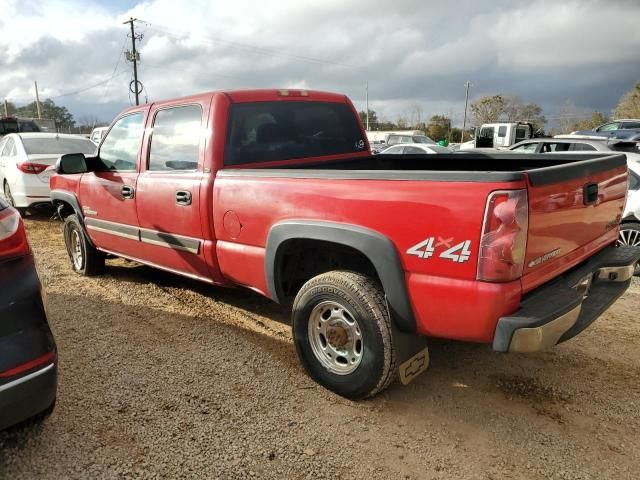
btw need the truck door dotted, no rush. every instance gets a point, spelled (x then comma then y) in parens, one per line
(484, 138)
(168, 197)
(107, 194)
(503, 135)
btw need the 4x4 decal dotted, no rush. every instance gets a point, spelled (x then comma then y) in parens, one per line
(427, 248)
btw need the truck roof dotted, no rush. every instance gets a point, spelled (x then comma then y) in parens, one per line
(259, 95)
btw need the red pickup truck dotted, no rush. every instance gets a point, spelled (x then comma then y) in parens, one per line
(277, 191)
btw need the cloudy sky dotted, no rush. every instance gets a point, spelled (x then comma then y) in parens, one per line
(411, 53)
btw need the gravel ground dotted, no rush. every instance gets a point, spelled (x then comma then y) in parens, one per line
(161, 377)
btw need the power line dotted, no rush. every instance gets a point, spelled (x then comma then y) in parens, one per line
(75, 92)
(124, 43)
(251, 48)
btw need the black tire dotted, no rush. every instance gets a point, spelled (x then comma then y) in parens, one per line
(364, 300)
(84, 258)
(630, 235)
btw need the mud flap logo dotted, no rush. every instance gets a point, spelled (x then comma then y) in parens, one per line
(413, 367)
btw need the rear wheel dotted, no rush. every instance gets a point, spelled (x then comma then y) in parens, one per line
(342, 333)
(630, 235)
(85, 259)
(9, 197)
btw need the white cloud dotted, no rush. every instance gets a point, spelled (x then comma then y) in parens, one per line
(410, 52)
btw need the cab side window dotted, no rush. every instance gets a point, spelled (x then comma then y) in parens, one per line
(526, 148)
(175, 141)
(549, 147)
(582, 147)
(414, 151)
(119, 151)
(608, 127)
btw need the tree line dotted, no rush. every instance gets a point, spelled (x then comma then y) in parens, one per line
(504, 108)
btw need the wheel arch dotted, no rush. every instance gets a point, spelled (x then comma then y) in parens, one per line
(378, 249)
(67, 202)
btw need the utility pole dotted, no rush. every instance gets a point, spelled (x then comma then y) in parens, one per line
(367, 102)
(133, 56)
(464, 121)
(6, 108)
(38, 101)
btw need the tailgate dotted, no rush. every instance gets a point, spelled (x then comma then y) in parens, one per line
(574, 210)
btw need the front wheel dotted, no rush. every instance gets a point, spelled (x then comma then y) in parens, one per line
(630, 235)
(342, 333)
(85, 259)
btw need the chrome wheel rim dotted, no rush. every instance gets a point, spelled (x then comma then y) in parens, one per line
(335, 337)
(76, 249)
(629, 237)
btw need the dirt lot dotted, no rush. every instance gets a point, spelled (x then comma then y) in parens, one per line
(166, 378)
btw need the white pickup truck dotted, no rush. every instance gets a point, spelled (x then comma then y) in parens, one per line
(499, 135)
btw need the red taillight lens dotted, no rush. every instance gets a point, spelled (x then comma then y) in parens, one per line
(13, 240)
(28, 167)
(25, 367)
(504, 236)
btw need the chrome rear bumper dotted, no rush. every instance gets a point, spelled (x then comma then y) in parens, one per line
(563, 308)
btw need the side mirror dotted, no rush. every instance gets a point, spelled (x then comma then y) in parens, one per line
(70, 163)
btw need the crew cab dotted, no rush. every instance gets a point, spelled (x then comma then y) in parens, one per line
(277, 191)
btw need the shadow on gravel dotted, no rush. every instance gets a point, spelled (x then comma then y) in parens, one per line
(457, 369)
(238, 297)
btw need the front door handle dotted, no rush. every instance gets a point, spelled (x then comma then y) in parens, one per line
(127, 191)
(183, 197)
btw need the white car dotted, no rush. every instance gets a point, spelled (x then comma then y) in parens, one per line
(97, 134)
(416, 148)
(27, 160)
(630, 227)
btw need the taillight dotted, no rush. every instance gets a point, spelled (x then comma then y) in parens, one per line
(28, 167)
(504, 236)
(13, 240)
(30, 365)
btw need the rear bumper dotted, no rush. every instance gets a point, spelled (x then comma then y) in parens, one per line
(28, 395)
(564, 307)
(28, 190)
(25, 337)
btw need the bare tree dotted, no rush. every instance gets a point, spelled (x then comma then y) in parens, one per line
(88, 121)
(629, 105)
(487, 109)
(567, 118)
(416, 116)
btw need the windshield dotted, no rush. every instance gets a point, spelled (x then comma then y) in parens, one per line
(422, 139)
(266, 131)
(58, 146)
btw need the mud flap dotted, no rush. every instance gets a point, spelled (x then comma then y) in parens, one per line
(412, 353)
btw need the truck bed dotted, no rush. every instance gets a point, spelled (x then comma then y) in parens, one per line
(470, 167)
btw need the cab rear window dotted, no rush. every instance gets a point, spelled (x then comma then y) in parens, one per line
(270, 131)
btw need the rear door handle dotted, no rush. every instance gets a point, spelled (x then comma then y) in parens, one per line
(127, 191)
(183, 197)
